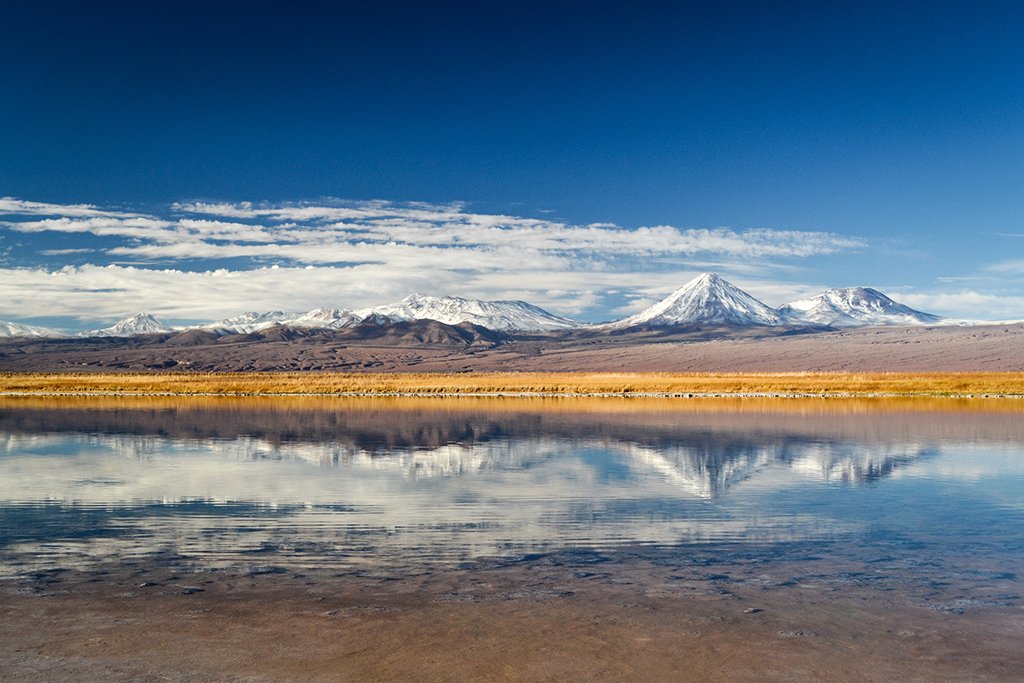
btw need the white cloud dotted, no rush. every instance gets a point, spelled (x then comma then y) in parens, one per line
(372, 252)
(1013, 266)
(110, 292)
(107, 293)
(967, 304)
(20, 207)
(65, 252)
(137, 227)
(318, 234)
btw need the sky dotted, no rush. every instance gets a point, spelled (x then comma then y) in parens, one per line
(197, 160)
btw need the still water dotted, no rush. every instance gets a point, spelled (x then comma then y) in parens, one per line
(930, 491)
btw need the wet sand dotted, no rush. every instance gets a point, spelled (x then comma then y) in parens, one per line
(576, 616)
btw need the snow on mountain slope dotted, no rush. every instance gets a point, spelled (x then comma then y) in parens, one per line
(853, 307)
(140, 323)
(708, 300)
(9, 329)
(329, 318)
(245, 323)
(504, 316)
(705, 300)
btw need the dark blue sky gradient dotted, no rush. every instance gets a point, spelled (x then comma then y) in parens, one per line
(899, 122)
(864, 117)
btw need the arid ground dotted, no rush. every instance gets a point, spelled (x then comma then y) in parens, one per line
(998, 348)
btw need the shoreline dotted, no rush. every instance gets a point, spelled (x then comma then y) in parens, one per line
(522, 394)
(989, 385)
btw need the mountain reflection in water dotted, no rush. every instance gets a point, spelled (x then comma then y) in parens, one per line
(343, 481)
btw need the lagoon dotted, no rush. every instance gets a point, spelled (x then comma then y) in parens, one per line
(913, 509)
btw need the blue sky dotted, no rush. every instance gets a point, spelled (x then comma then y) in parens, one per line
(587, 157)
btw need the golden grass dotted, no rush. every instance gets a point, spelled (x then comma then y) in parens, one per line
(507, 405)
(526, 383)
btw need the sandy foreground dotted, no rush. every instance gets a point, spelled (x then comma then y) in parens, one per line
(568, 617)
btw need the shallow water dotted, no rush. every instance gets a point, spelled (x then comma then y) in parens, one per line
(888, 492)
(511, 539)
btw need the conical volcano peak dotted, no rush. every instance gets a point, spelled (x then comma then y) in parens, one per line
(707, 299)
(140, 323)
(708, 278)
(706, 281)
(712, 284)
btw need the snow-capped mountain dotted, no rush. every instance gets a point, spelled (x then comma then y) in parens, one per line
(331, 318)
(140, 323)
(375, 318)
(250, 321)
(705, 300)
(496, 315)
(853, 307)
(504, 316)
(9, 329)
(708, 300)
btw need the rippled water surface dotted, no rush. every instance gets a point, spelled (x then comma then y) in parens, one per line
(926, 488)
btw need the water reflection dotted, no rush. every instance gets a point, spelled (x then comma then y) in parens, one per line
(345, 481)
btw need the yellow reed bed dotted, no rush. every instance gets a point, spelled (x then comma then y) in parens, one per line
(524, 383)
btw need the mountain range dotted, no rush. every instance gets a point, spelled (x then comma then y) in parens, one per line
(708, 300)
(711, 300)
